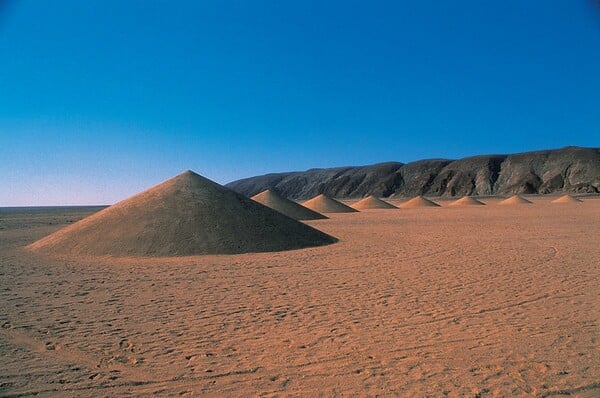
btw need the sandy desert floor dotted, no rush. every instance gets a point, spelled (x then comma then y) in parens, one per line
(473, 301)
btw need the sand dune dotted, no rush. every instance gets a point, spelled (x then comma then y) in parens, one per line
(185, 215)
(324, 204)
(566, 199)
(515, 200)
(418, 201)
(285, 206)
(371, 202)
(467, 201)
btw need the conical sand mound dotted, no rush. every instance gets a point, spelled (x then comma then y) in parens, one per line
(324, 204)
(371, 202)
(286, 206)
(515, 200)
(186, 215)
(466, 201)
(566, 199)
(418, 201)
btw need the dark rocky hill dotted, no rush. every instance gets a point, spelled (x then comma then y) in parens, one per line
(570, 169)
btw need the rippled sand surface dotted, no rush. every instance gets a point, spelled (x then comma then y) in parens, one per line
(452, 301)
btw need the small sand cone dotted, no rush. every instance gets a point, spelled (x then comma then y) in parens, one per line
(371, 202)
(567, 199)
(467, 201)
(418, 201)
(324, 204)
(515, 200)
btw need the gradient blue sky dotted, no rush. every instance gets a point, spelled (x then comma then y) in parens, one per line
(100, 99)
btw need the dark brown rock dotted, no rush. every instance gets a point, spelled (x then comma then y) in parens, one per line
(570, 169)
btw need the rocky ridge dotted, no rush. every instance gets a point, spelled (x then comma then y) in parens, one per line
(570, 170)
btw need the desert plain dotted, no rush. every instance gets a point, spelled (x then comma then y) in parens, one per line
(473, 301)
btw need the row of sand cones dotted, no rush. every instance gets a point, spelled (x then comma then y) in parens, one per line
(191, 215)
(312, 209)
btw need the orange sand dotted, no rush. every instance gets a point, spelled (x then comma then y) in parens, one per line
(463, 301)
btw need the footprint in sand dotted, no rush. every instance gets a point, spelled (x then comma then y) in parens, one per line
(51, 346)
(123, 359)
(126, 344)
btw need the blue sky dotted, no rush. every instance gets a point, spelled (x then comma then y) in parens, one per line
(100, 99)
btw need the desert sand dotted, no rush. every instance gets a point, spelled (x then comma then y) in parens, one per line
(461, 301)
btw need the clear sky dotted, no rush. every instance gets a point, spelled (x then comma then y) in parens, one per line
(100, 99)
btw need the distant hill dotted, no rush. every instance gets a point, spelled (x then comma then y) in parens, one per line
(570, 169)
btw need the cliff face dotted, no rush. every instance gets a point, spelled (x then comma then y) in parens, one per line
(570, 169)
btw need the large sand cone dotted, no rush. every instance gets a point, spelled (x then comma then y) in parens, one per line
(286, 206)
(567, 199)
(371, 202)
(467, 201)
(324, 204)
(418, 201)
(186, 215)
(515, 200)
